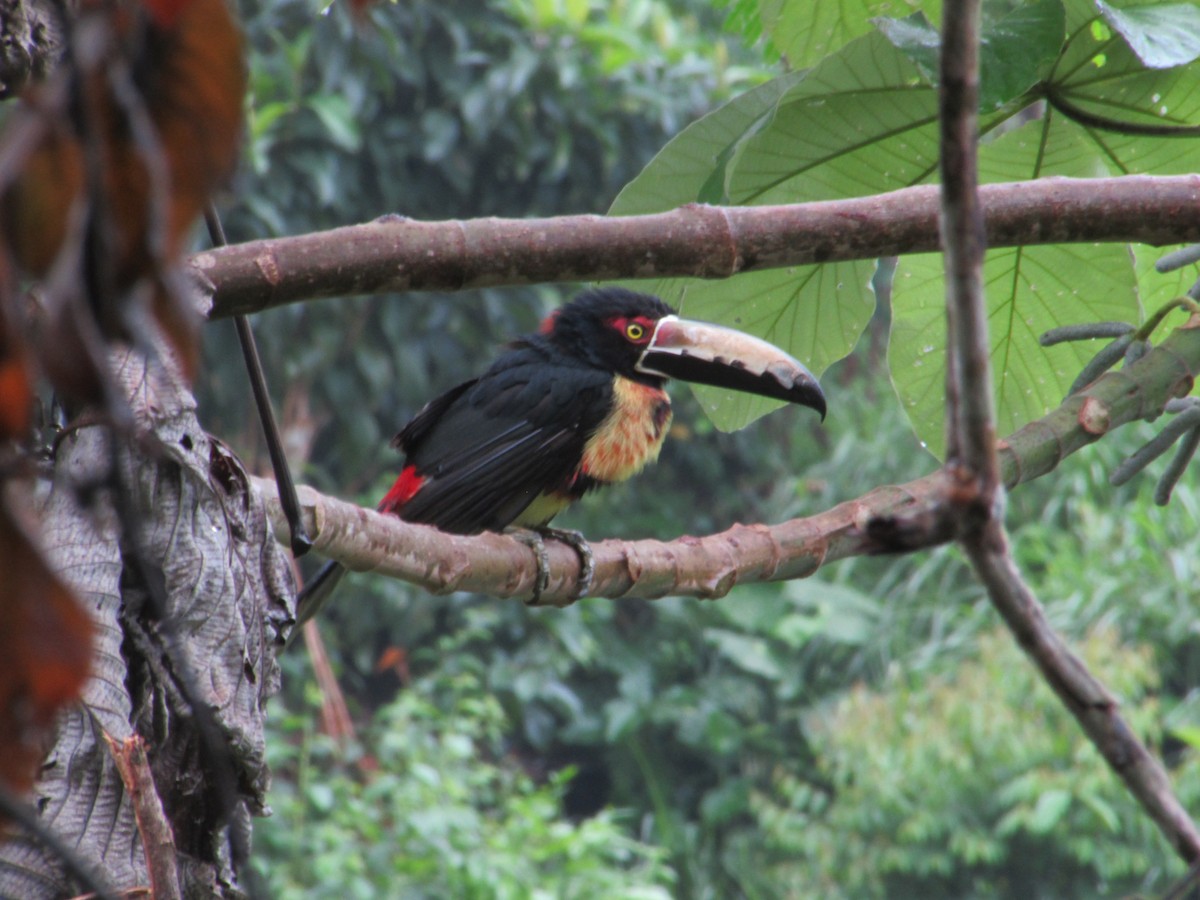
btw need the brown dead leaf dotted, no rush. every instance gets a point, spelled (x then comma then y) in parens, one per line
(162, 149)
(16, 381)
(46, 645)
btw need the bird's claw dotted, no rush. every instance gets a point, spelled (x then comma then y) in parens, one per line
(587, 559)
(534, 539)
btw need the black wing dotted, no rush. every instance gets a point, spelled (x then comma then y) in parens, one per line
(488, 448)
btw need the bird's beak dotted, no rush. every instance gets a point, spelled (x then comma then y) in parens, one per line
(709, 354)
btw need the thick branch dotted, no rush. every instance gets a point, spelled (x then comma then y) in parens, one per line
(710, 566)
(397, 254)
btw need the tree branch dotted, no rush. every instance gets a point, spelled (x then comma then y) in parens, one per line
(970, 417)
(1096, 710)
(710, 566)
(976, 505)
(398, 254)
(158, 841)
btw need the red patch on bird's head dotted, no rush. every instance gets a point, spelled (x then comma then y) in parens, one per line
(637, 330)
(547, 326)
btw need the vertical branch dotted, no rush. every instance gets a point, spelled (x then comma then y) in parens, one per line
(971, 437)
(971, 445)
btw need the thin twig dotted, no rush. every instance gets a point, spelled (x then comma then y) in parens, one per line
(1147, 328)
(1187, 887)
(335, 714)
(1096, 710)
(300, 542)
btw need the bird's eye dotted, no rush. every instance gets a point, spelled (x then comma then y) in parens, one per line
(635, 331)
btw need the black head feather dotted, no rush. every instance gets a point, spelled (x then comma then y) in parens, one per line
(583, 329)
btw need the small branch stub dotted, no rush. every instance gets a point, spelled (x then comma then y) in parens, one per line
(158, 841)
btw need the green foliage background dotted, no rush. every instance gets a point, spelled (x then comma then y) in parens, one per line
(862, 733)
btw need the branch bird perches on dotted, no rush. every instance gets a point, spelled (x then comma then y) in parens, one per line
(710, 566)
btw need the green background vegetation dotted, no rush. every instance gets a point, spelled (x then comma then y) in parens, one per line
(866, 732)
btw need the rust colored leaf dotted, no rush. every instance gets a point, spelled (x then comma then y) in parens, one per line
(160, 120)
(194, 91)
(16, 393)
(16, 388)
(37, 203)
(395, 660)
(46, 645)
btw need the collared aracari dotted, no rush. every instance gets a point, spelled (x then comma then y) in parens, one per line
(575, 406)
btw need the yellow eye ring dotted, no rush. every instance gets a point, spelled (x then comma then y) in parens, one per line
(634, 331)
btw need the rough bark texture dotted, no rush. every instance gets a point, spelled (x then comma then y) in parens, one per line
(200, 542)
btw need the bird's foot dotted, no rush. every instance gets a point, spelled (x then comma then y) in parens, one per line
(587, 559)
(534, 539)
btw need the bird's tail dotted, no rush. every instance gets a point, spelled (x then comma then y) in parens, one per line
(317, 591)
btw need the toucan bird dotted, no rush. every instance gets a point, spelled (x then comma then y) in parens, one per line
(577, 405)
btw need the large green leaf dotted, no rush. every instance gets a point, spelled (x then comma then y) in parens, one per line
(863, 121)
(816, 313)
(1161, 36)
(1101, 77)
(1017, 47)
(804, 30)
(1033, 289)
(691, 168)
(1029, 291)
